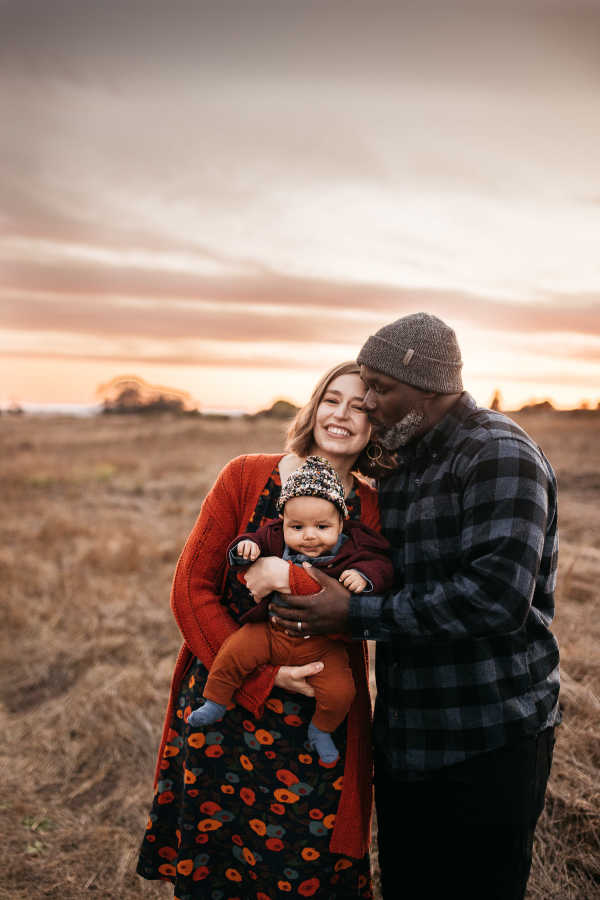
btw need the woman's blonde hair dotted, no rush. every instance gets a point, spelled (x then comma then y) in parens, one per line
(300, 435)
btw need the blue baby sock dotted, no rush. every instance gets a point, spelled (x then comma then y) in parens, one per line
(207, 714)
(323, 744)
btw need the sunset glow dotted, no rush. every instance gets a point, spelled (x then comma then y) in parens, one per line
(228, 199)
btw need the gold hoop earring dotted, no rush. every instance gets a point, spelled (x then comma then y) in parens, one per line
(374, 452)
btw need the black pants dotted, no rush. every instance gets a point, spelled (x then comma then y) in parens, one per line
(466, 831)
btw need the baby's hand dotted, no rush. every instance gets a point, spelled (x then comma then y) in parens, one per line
(353, 580)
(248, 550)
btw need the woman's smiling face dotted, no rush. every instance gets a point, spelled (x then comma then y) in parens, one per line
(341, 423)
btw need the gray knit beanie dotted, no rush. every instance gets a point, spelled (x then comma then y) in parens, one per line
(419, 350)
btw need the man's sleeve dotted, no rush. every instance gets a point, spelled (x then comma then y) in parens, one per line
(505, 508)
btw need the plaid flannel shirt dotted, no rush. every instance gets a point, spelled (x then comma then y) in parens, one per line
(465, 661)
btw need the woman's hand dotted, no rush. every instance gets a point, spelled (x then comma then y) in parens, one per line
(269, 573)
(293, 678)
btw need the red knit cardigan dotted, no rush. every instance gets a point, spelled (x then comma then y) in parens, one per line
(204, 622)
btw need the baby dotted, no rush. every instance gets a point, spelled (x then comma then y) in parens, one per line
(313, 527)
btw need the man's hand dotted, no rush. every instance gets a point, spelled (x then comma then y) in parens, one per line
(293, 678)
(322, 613)
(269, 573)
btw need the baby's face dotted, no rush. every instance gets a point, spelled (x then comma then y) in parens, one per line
(311, 525)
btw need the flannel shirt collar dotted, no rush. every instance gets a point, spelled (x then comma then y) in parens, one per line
(442, 434)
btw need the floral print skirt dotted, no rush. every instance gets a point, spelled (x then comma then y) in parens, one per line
(244, 810)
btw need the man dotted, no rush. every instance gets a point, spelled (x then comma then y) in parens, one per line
(467, 668)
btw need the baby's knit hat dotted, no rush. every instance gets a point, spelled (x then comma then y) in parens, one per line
(316, 477)
(419, 350)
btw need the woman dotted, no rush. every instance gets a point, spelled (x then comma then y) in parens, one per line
(244, 810)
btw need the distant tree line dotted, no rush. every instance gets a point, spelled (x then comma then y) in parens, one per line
(131, 394)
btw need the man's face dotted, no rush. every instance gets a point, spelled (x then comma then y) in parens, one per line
(388, 401)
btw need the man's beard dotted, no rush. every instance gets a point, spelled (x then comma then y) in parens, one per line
(402, 432)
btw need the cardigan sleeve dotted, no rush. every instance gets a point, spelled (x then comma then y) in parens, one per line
(200, 576)
(369, 506)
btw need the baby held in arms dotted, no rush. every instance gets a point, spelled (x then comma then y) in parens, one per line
(314, 527)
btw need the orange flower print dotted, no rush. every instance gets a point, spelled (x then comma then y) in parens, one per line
(185, 867)
(167, 870)
(292, 720)
(214, 751)
(227, 789)
(278, 808)
(193, 792)
(274, 844)
(209, 825)
(201, 838)
(248, 725)
(305, 758)
(288, 778)
(274, 704)
(284, 886)
(309, 853)
(233, 875)
(201, 873)
(248, 796)
(189, 777)
(246, 764)
(315, 814)
(329, 821)
(186, 713)
(197, 739)
(264, 737)
(258, 826)
(261, 896)
(209, 808)
(285, 796)
(237, 840)
(167, 853)
(342, 864)
(164, 764)
(249, 856)
(309, 887)
(166, 797)
(170, 751)
(338, 783)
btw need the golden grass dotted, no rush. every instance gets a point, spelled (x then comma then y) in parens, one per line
(95, 513)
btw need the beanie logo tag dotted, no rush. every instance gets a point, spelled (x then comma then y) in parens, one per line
(407, 357)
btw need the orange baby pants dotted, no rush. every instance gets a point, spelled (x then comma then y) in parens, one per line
(257, 643)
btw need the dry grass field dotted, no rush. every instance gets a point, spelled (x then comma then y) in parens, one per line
(94, 514)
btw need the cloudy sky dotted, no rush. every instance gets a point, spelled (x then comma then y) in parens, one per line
(229, 197)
